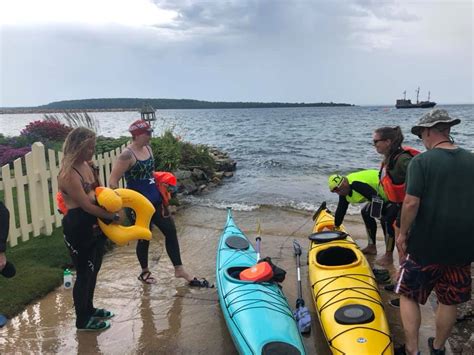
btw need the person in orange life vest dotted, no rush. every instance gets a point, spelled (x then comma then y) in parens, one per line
(137, 164)
(388, 142)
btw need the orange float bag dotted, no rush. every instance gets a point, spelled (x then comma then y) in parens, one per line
(163, 179)
(61, 204)
(258, 273)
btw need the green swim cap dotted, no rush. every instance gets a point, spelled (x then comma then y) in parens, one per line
(335, 181)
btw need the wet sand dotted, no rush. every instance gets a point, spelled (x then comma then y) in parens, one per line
(170, 317)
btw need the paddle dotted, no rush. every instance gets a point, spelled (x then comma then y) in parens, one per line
(258, 239)
(257, 247)
(301, 313)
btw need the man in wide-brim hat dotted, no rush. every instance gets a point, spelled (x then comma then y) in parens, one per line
(436, 231)
(436, 118)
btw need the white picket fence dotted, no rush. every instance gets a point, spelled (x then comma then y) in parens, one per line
(30, 192)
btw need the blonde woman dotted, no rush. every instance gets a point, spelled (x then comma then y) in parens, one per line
(77, 180)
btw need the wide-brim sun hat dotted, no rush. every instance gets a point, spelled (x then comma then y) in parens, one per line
(334, 181)
(140, 127)
(433, 118)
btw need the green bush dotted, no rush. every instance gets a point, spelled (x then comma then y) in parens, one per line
(166, 151)
(196, 155)
(171, 153)
(106, 144)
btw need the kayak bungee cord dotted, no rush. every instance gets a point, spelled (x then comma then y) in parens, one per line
(330, 341)
(272, 305)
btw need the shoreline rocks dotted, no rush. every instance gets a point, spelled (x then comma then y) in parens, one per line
(197, 179)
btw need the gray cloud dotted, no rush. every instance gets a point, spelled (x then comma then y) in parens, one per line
(354, 51)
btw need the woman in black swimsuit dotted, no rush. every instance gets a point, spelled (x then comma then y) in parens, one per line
(77, 181)
(137, 164)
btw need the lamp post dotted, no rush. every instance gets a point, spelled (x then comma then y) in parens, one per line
(148, 114)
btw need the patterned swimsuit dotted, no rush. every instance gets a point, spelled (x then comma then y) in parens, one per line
(140, 178)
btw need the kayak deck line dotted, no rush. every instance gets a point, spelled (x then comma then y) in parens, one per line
(279, 302)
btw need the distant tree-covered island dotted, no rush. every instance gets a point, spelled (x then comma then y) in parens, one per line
(131, 104)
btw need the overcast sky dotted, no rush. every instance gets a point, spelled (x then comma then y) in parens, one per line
(355, 51)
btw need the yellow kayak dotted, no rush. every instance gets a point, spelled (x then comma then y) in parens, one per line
(345, 293)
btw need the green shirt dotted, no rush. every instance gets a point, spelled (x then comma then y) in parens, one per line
(443, 229)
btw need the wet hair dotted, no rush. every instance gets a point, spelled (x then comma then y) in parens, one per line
(76, 141)
(394, 134)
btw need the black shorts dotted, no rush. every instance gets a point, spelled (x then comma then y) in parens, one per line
(452, 283)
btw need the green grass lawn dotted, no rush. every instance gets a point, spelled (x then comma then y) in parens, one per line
(39, 266)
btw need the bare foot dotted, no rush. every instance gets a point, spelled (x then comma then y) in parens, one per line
(179, 272)
(385, 260)
(370, 250)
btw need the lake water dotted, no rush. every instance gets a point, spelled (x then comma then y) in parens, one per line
(283, 155)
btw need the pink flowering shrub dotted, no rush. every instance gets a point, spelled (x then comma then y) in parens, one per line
(8, 154)
(45, 131)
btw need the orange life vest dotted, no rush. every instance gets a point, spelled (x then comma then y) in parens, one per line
(395, 193)
(258, 273)
(163, 179)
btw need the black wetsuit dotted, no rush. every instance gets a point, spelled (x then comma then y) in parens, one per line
(4, 226)
(85, 243)
(140, 178)
(389, 213)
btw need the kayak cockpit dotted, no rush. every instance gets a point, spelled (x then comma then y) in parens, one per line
(337, 257)
(279, 348)
(234, 272)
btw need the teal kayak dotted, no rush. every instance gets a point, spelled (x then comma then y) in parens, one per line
(257, 314)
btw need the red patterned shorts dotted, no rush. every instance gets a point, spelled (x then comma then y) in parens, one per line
(452, 283)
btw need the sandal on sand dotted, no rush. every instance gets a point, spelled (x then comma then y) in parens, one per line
(200, 283)
(95, 324)
(383, 279)
(146, 278)
(380, 271)
(102, 313)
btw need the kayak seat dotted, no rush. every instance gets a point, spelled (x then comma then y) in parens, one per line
(336, 256)
(327, 236)
(237, 242)
(279, 348)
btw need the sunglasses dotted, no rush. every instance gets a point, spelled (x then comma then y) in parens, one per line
(419, 134)
(378, 140)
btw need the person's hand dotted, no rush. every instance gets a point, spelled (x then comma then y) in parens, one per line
(122, 217)
(401, 242)
(3, 260)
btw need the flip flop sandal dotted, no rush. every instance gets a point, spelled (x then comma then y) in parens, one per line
(389, 288)
(200, 283)
(146, 278)
(103, 313)
(380, 271)
(94, 325)
(383, 279)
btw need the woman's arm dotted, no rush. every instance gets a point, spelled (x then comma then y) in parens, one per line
(121, 165)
